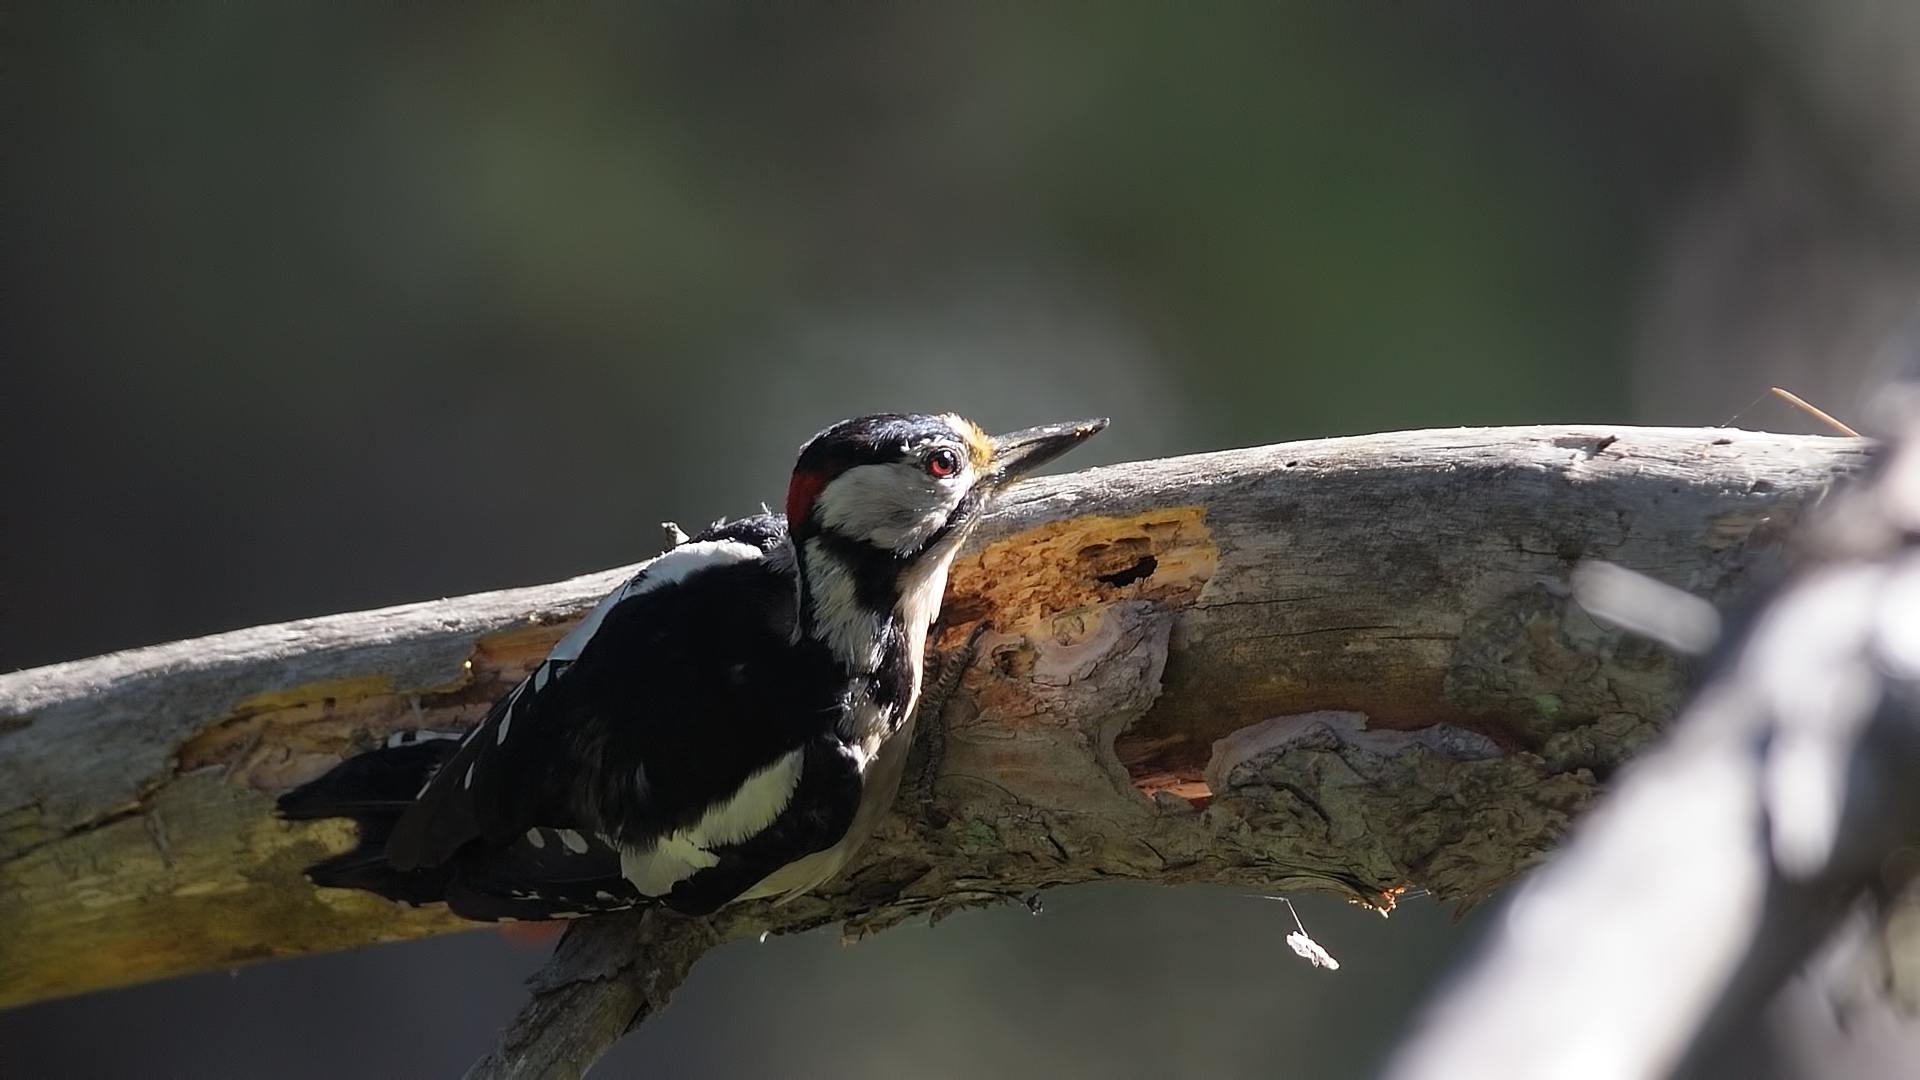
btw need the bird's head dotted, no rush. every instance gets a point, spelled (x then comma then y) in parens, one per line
(903, 483)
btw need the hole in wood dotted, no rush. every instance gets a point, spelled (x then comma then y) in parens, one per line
(1169, 764)
(1139, 571)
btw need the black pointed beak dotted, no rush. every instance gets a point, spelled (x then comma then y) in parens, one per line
(1020, 452)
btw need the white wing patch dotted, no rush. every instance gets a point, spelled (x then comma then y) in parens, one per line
(656, 871)
(675, 565)
(409, 738)
(513, 699)
(683, 852)
(880, 781)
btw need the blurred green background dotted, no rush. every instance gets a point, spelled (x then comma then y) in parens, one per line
(313, 308)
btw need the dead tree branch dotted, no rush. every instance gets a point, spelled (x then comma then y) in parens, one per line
(1347, 664)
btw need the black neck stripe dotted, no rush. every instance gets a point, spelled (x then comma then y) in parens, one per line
(875, 571)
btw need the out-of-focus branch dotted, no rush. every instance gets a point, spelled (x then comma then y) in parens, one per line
(1347, 665)
(1787, 798)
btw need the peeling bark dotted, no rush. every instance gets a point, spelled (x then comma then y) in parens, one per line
(1378, 628)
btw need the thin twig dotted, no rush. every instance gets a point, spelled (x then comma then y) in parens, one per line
(1818, 413)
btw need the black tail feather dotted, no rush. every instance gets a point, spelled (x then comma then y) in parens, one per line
(374, 789)
(380, 781)
(370, 871)
(551, 873)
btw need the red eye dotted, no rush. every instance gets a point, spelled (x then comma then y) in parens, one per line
(943, 463)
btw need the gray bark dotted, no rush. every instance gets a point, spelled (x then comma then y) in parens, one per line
(1779, 820)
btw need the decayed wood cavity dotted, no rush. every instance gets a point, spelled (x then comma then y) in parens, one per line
(1051, 591)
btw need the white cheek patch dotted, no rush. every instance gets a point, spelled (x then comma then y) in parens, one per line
(896, 506)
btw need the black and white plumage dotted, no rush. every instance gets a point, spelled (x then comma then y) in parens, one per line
(731, 722)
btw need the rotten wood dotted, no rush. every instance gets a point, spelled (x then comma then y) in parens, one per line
(1347, 664)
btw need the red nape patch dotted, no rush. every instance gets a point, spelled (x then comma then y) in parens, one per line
(806, 487)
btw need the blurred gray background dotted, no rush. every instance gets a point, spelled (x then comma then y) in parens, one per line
(310, 309)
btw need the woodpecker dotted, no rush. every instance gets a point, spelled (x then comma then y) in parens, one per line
(730, 723)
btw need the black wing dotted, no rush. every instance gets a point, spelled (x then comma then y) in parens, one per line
(684, 684)
(648, 719)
